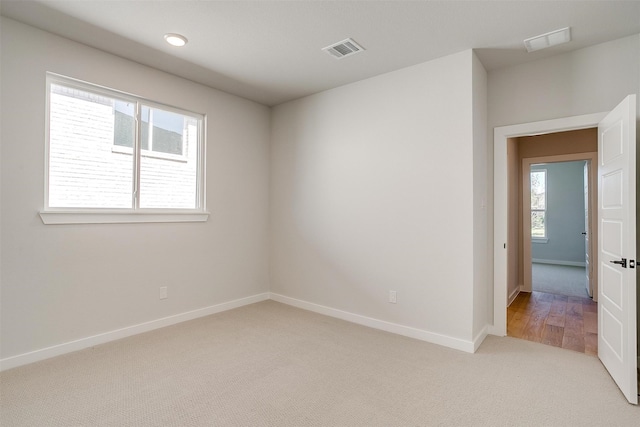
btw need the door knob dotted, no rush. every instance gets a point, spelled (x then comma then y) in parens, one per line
(584, 233)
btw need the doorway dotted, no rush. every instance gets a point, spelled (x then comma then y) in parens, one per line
(505, 230)
(551, 202)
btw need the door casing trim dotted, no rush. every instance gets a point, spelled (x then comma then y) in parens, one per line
(500, 136)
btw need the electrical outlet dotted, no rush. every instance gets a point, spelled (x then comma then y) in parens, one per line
(392, 297)
(163, 292)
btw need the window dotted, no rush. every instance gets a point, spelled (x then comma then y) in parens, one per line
(109, 152)
(538, 203)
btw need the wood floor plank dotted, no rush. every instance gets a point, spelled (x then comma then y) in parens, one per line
(557, 314)
(573, 338)
(515, 305)
(540, 307)
(558, 320)
(562, 298)
(545, 297)
(576, 300)
(518, 323)
(574, 309)
(526, 304)
(524, 296)
(574, 320)
(535, 326)
(536, 295)
(573, 342)
(591, 307)
(590, 323)
(552, 335)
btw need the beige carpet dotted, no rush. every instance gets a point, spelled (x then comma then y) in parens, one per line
(559, 279)
(272, 365)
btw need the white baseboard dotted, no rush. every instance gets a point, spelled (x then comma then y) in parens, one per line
(554, 262)
(513, 295)
(493, 330)
(407, 331)
(57, 350)
(80, 344)
(480, 338)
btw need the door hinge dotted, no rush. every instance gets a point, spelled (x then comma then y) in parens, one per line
(632, 264)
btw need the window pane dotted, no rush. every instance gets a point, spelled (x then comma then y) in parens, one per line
(538, 224)
(169, 180)
(538, 189)
(166, 132)
(84, 170)
(125, 125)
(144, 128)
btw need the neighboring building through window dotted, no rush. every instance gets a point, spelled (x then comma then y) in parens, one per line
(161, 131)
(99, 159)
(538, 203)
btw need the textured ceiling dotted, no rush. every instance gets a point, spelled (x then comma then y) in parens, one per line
(270, 51)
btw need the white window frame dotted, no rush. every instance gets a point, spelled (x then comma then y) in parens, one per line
(150, 152)
(56, 215)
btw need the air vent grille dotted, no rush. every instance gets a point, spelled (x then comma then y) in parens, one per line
(344, 48)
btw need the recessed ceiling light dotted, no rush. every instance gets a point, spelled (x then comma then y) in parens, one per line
(549, 39)
(175, 39)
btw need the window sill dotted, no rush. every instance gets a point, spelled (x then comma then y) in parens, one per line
(539, 240)
(70, 217)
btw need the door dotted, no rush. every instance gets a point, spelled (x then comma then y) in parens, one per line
(617, 337)
(587, 228)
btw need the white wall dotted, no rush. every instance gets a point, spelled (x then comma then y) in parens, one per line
(372, 190)
(67, 282)
(584, 81)
(589, 80)
(481, 285)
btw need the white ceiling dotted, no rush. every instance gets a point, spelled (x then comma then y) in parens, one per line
(270, 51)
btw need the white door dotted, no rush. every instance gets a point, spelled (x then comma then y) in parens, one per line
(617, 246)
(587, 230)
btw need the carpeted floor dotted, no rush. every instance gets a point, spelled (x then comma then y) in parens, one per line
(559, 279)
(269, 364)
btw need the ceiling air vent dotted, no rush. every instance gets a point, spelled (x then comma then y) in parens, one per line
(344, 48)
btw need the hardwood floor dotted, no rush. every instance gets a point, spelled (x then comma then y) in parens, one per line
(558, 320)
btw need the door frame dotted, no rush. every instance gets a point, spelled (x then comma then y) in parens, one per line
(500, 200)
(592, 157)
